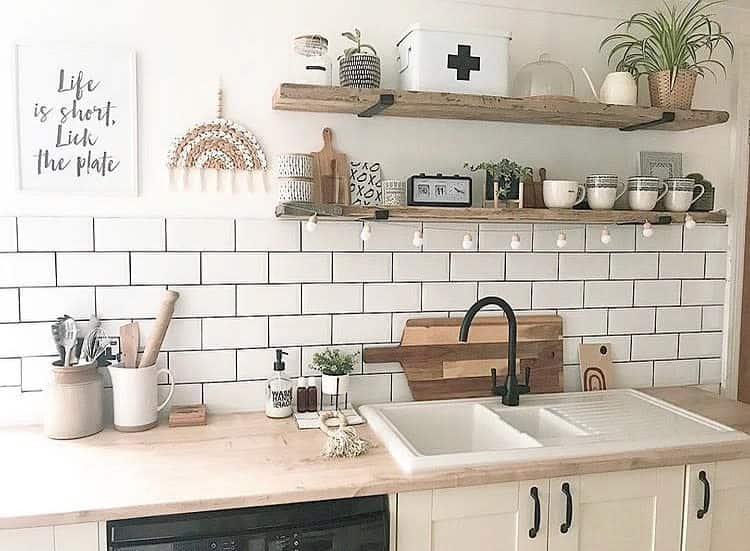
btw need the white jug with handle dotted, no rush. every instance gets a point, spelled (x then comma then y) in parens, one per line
(619, 88)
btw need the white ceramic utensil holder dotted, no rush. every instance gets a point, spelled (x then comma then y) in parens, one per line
(135, 397)
(73, 402)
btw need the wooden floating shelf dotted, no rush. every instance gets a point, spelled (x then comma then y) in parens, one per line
(304, 210)
(440, 105)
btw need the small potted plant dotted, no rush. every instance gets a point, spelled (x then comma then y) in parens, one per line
(673, 46)
(357, 67)
(335, 367)
(508, 175)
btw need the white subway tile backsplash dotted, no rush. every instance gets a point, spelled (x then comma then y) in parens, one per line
(47, 303)
(235, 396)
(10, 372)
(203, 366)
(716, 265)
(623, 238)
(713, 318)
(681, 265)
(204, 300)
(421, 266)
(545, 237)
(361, 328)
(392, 297)
(200, 234)
(634, 266)
(325, 298)
(570, 350)
(235, 333)
(93, 269)
(269, 300)
(700, 345)
(55, 234)
(299, 267)
(183, 334)
(665, 238)
(608, 293)
(676, 372)
(299, 330)
(449, 237)
(706, 237)
(619, 346)
(8, 240)
(129, 234)
(557, 294)
(448, 296)
(257, 363)
(389, 238)
(184, 394)
(8, 305)
(477, 267)
(516, 293)
(657, 293)
(654, 347)
(369, 389)
(571, 378)
(27, 269)
(710, 371)
(497, 237)
(165, 268)
(234, 268)
(25, 339)
(631, 375)
(631, 320)
(130, 302)
(704, 292)
(367, 267)
(334, 236)
(400, 391)
(531, 266)
(268, 235)
(584, 266)
(584, 322)
(678, 319)
(35, 372)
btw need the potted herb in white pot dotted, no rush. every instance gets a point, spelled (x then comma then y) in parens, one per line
(335, 367)
(506, 173)
(673, 46)
(357, 67)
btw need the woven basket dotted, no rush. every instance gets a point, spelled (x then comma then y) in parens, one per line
(679, 96)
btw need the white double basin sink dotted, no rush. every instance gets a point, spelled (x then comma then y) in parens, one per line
(458, 433)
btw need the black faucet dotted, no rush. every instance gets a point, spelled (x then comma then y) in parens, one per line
(511, 390)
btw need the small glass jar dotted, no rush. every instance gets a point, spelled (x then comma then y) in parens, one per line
(310, 61)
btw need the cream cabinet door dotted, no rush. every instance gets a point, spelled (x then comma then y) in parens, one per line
(69, 537)
(717, 506)
(497, 517)
(622, 511)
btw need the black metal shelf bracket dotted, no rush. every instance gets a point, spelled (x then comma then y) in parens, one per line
(385, 101)
(666, 118)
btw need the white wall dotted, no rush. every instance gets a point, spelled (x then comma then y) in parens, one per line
(185, 46)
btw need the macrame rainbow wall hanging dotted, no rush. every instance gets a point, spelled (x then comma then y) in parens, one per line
(218, 155)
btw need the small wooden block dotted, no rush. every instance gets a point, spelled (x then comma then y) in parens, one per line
(188, 416)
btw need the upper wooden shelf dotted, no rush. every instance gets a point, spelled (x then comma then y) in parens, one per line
(303, 210)
(439, 105)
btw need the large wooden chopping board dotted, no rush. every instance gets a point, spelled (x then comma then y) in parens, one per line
(438, 366)
(331, 173)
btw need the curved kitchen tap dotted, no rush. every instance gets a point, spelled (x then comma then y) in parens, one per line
(511, 390)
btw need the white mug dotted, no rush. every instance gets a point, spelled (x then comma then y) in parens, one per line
(135, 396)
(679, 197)
(644, 192)
(602, 191)
(562, 194)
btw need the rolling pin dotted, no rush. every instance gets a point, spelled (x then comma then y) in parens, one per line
(155, 340)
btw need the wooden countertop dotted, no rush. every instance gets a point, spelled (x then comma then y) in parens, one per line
(244, 460)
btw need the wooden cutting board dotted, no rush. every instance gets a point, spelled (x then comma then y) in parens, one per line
(330, 173)
(438, 366)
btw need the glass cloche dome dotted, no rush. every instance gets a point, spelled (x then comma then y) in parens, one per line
(544, 78)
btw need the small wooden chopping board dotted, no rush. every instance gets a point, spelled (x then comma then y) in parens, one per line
(331, 173)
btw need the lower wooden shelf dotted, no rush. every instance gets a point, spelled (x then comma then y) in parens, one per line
(304, 210)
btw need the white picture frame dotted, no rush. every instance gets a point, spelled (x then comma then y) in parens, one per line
(31, 89)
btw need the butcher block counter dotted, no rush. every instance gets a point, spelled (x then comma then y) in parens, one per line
(243, 460)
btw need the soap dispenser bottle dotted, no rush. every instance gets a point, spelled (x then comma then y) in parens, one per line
(279, 390)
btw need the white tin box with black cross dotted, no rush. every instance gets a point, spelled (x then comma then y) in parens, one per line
(434, 60)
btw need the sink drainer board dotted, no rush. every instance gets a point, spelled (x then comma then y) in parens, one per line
(438, 366)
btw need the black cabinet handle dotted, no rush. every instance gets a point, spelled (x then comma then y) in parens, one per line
(565, 526)
(706, 494)
(537, 512)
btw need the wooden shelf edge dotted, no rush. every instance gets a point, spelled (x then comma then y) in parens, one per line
(443, 105)
(304, 210)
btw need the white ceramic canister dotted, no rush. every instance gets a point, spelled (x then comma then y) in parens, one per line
(603, 191)
(394, 193)
(294, 166)
(135, 396)
(295, 190)
(680, 191)
(562, 194)
(73, 402)
(644, 192)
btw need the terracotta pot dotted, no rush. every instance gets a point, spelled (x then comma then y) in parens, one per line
(664, 94)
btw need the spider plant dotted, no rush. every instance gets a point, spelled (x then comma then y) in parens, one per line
(359, 48)
(670, 39)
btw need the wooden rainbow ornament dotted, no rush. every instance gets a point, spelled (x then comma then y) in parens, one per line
(210, 154)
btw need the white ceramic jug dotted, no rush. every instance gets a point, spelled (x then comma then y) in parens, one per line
(619, 88)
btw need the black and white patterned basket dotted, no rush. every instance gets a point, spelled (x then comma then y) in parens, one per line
(294, 165)
(360, 71)
(295, 190)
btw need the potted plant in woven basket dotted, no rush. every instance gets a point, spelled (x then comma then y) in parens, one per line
(335, 367)
(357, 67)
(673, 46)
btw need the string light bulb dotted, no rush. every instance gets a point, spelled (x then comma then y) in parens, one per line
(418, 239)
(366, 232)
(468, 242)
(515, 241)
(312, 223)
(606, 237)
(562, 240)
(648, 230)
(689, 222)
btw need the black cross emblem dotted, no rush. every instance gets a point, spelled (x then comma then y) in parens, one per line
(464, 62)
